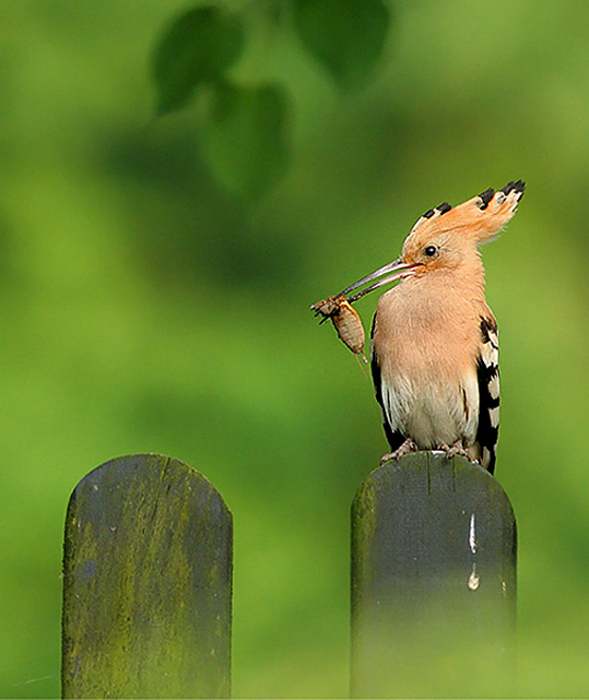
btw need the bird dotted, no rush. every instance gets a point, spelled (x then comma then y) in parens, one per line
(434, 345)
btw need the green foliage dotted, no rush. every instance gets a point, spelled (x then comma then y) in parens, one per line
(245, 137)
(198, 47)
(346, 36)
(245, 133)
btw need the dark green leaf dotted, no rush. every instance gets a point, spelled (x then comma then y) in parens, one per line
(245, 140)
(346, 36)
(199, 46)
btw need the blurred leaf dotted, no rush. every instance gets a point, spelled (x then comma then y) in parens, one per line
(245, 140)
(346, 36)
(199, 46)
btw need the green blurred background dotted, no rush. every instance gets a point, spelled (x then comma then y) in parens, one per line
(145, 309)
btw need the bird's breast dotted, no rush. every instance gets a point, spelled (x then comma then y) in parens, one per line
(426, 348)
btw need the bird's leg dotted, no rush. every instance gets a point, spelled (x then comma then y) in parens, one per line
(457, 448)
(407, 447)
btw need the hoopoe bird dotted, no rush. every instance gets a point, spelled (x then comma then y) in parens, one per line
(434, 349)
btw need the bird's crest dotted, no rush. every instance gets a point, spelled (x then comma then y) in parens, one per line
(480, 218)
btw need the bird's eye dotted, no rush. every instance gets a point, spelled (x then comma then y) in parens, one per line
(430, 251)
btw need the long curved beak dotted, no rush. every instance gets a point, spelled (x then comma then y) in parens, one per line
(399, 269)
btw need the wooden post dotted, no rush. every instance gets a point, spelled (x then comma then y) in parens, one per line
(147, 583)
(433, 581)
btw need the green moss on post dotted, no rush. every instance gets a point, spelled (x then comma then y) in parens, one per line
(147, 583)
(433, 581)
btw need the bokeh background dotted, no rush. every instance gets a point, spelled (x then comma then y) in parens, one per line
(144, 308)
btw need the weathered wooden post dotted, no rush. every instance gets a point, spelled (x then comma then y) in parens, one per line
(147, 583)
(433, 581)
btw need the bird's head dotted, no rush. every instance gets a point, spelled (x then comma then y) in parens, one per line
(446, 237)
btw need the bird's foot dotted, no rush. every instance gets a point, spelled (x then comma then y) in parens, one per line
(407, 447)
(456, 449)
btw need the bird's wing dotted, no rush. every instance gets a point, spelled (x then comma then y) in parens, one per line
(488, 379)
(394, 436)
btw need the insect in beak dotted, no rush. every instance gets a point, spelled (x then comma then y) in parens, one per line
(345, 319)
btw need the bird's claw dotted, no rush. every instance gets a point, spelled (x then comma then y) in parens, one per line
(456, 449)
(407, 447)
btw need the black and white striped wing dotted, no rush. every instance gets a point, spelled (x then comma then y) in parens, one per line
(394, 436)
(488, 379)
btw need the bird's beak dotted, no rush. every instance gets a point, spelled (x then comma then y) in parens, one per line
(398, 268)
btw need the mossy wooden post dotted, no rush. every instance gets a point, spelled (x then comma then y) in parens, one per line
(433, 581)
(147, 583)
